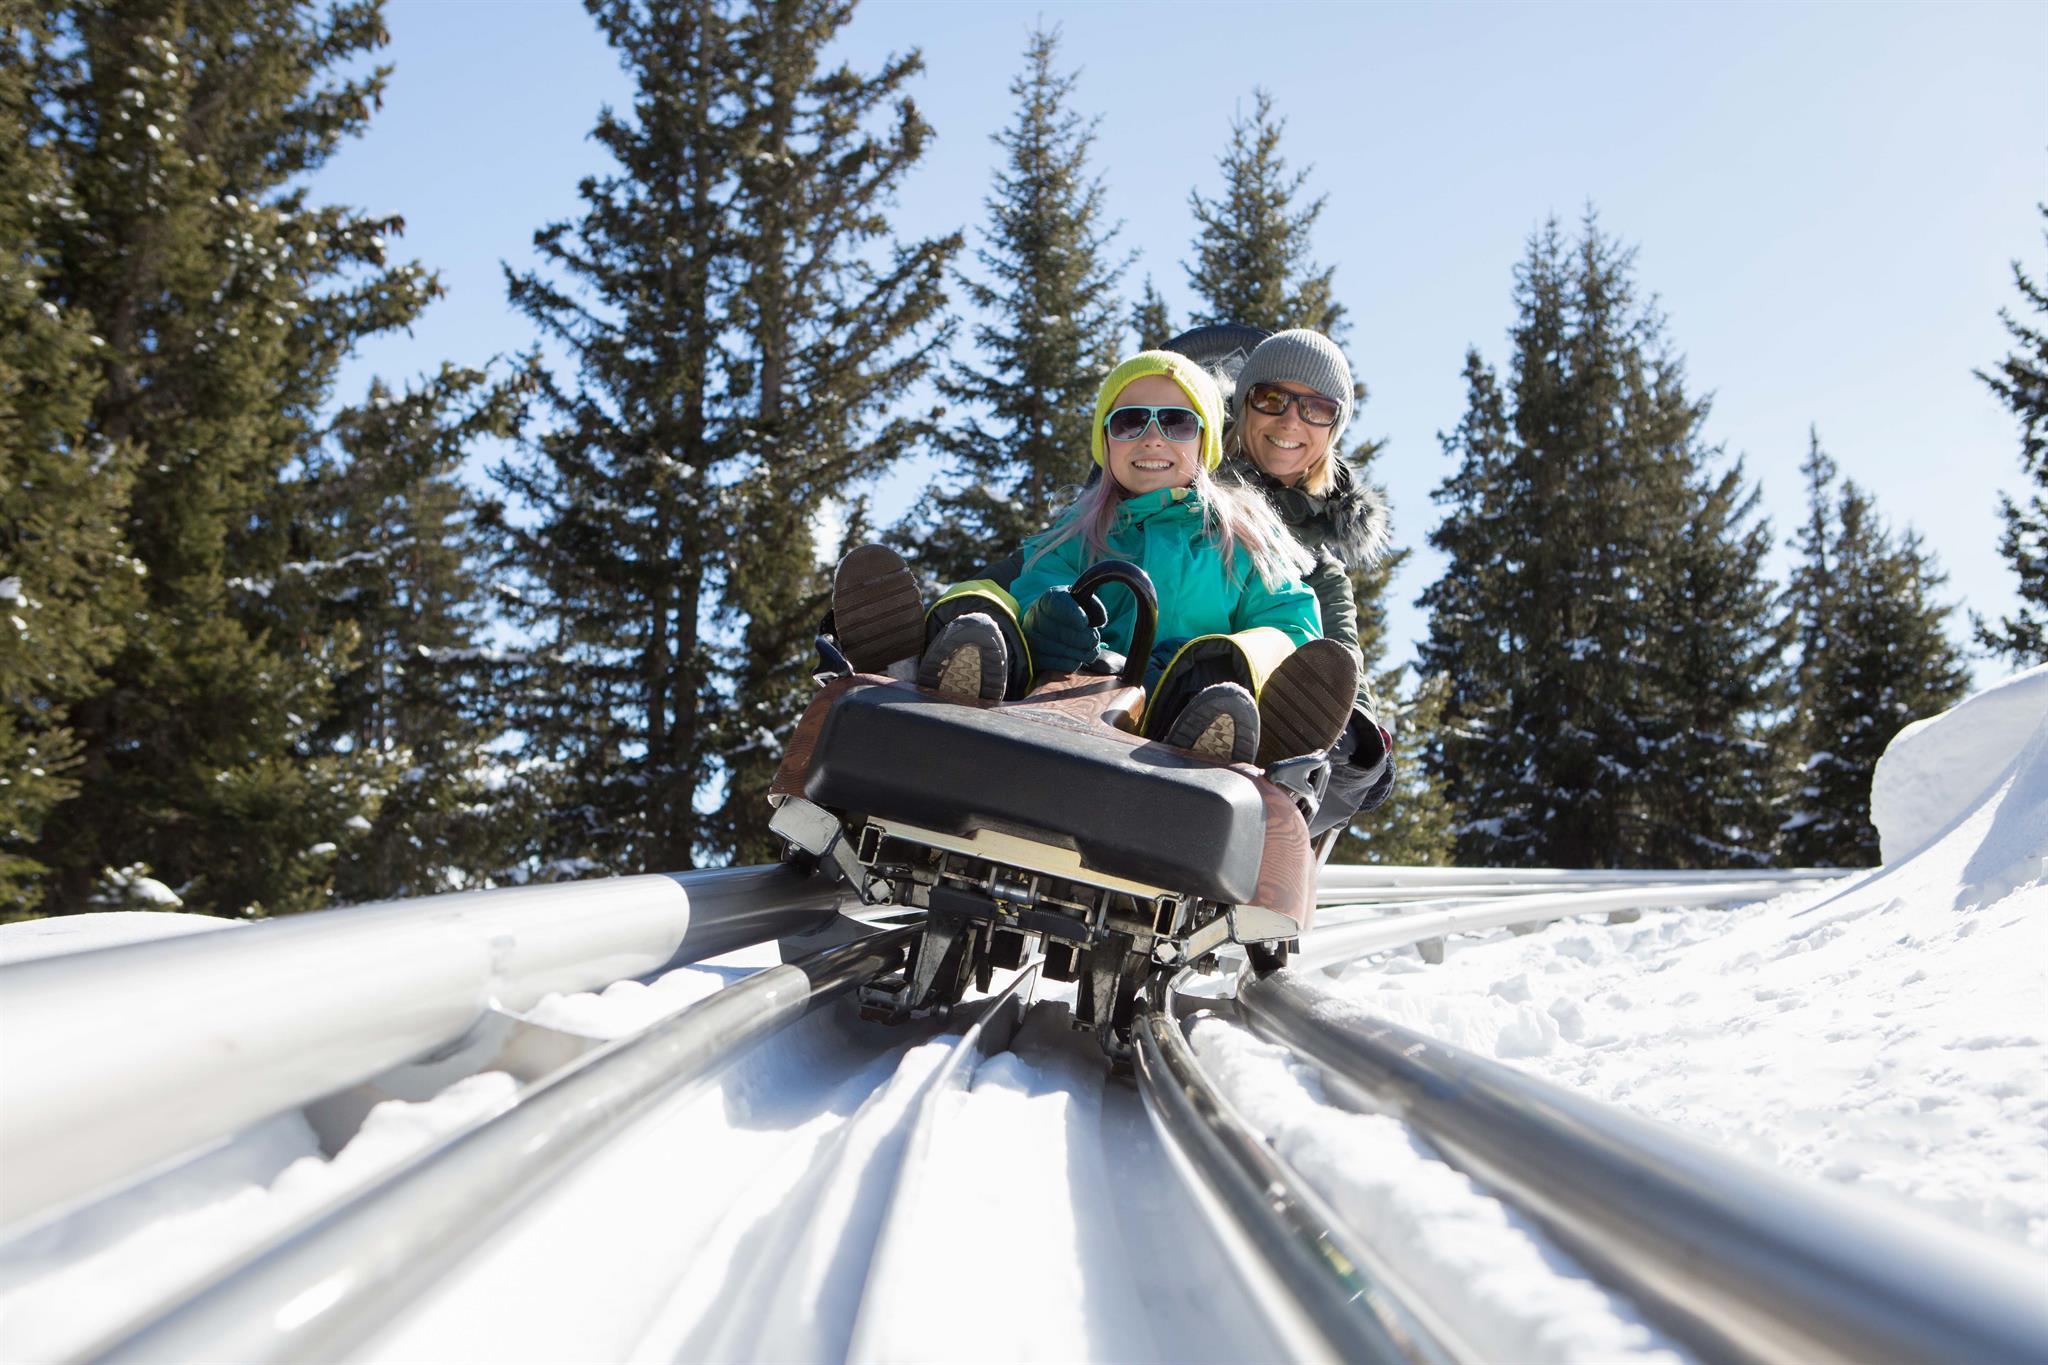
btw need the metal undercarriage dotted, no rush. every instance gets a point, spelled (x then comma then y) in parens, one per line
(991, 901)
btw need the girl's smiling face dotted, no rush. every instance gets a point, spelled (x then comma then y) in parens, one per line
(1285, 447)
(1152, 462)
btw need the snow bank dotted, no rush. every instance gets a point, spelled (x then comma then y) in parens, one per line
(628, 1006)
(1937, 770)
(1888, 1031)
(29, 939)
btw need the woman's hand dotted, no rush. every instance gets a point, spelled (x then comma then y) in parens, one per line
(1064, 635)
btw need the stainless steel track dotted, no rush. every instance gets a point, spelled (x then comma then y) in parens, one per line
(990, 1033)
(1738, 1261)
(323, 1287)
(1344, 942)
(1318, 1283)
(217, 1031)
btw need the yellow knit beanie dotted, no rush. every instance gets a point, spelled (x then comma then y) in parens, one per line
(1194, 381)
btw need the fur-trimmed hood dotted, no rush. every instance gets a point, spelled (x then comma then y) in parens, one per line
(1349, 522)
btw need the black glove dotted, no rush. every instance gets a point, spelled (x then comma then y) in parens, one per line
(1064, 635)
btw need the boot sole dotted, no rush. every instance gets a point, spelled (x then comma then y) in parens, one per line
(876, 607)
(1218, 740)
(1305, 703)
(960, 674)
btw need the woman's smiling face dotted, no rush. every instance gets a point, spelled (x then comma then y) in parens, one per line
(1152, 462)
(1285, 447)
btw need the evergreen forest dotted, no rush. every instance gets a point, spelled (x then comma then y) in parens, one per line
(270, 646)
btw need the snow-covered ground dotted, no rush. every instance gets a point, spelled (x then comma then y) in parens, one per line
(1886, 1031)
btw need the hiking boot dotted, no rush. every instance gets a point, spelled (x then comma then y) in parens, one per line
(876, 609)
(1304, 705)
(1221, 723)
(968, 659)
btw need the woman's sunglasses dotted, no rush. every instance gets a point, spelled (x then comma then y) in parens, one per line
(1272, 400)
(1175, 424)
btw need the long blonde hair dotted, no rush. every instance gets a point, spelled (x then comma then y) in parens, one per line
(1234, 518)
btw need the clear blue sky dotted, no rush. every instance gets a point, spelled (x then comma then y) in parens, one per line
(1825, 198)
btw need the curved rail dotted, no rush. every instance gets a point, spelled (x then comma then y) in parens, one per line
(208, 1033)
(1321, 1292)
(1734, 1259)
(325, 1286)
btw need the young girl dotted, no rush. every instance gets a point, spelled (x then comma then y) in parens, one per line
(1236, 622)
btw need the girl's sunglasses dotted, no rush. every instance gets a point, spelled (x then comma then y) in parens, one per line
(1175, 424)
(1272, 400)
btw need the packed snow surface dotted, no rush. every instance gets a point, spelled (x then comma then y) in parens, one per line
(1888, 1031)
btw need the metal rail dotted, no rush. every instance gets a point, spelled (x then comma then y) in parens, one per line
(991, 1032)
(319, 1289)
(1457, 892)
(1736, 1260)
(1373, 875)
(1323, 1296)
(1344, 942)
(120, 1059)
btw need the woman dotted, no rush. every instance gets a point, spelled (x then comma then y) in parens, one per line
(1293, 400)
(1239, 623)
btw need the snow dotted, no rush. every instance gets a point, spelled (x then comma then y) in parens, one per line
(1938, 769)
(628, 1006)
(1887, 1032)
(133, 885)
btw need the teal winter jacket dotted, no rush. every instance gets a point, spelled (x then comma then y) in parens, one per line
(1199, 594)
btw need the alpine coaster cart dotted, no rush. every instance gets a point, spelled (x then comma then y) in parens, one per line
(1051, 824)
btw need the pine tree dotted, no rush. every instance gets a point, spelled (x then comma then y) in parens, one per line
(618, 556)
(1874, 656)
(391, 547)
(67, 585)
(747, 332)
(1251, 253)
(1151, 320)
(226, 300)
(1047, 293)
(1603, 601)
(832, 342)
(2021, 383)
(1717, 675)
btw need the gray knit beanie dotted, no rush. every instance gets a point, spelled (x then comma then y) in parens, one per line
(1300, 356)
